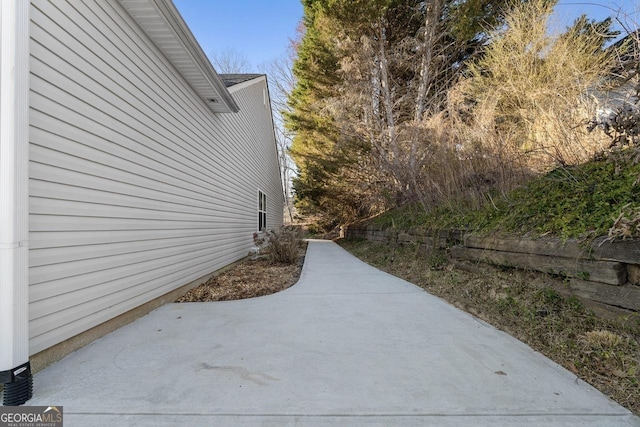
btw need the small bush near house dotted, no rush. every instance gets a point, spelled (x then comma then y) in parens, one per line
(284, 245)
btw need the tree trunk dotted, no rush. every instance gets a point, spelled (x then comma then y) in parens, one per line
(427, 69)
(385, 87)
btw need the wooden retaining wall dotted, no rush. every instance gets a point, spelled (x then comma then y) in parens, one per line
(606, 273)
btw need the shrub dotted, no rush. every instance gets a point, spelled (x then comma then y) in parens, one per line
(532, 89)
(283, 245)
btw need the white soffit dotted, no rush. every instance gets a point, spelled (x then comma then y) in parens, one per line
(162, 22)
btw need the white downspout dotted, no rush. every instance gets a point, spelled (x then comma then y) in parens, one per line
(15, 370)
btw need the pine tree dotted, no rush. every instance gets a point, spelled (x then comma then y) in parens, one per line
(368, 73)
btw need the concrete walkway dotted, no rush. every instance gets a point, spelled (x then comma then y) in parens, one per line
(348, 345)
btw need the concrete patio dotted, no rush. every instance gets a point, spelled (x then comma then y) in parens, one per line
(347, 345)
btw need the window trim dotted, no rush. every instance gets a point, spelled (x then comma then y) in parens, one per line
(262, 210)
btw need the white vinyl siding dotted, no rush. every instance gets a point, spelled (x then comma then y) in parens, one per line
(136, 187)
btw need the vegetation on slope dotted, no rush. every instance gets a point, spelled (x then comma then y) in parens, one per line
(395, 104)
(582, 201)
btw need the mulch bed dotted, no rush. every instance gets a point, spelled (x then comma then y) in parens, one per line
(248, 279)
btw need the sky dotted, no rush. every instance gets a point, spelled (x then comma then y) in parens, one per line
(625, 11)
(260, 30)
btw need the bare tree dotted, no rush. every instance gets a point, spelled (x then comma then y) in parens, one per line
(281, 83)
(384, 105)
(431, 34)
(230, 61)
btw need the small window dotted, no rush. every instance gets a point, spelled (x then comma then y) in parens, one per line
(262, 211)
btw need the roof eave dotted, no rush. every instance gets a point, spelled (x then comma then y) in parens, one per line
(234, 87)
(164, 25)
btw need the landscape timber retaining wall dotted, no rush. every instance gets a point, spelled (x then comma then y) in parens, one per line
(606, 273)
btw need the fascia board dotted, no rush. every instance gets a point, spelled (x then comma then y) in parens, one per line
(164, 25)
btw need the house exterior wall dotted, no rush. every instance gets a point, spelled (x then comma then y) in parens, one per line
(616, 97)
(135, 187)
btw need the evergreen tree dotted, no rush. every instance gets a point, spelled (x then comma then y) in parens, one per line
(368, 73)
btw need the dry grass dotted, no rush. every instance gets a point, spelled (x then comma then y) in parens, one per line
(626, 226)
(531, 89)
(604, 353)
(248, 279)
(523, 110)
